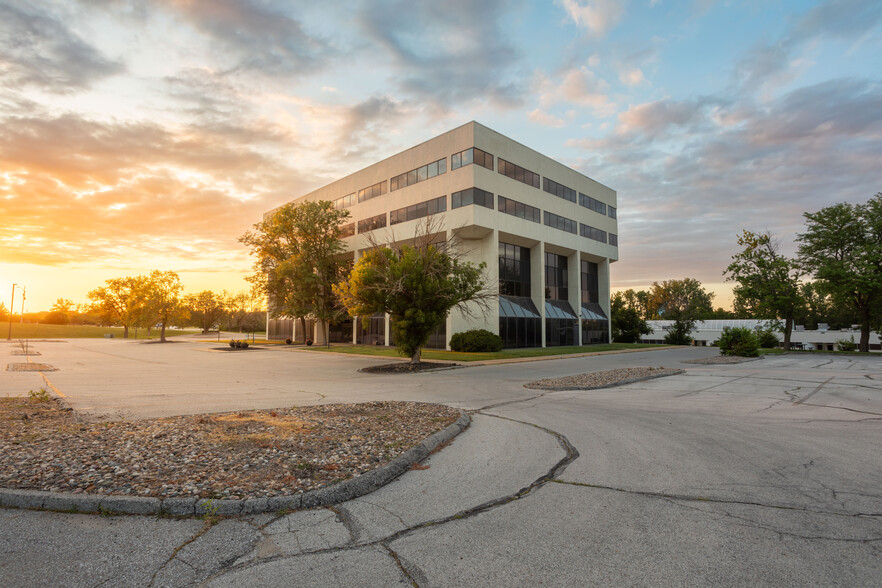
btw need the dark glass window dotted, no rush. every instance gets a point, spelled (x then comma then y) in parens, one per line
(420, 174)
(514, 270)
(558, 190)
(471, 196)
(611, 211)
(347, 230)
(592, 204)
(374, 222)
(471, 155)
(520, 324)
(371, 330)
(345, 201)
(592, 233)
(613, 239)
(518, 173)
(556, 286)
(377, 189)
(518, 209)
(590, 282)
(560, 222)
(415, 211)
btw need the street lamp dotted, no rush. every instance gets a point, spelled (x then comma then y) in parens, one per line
(11, 304)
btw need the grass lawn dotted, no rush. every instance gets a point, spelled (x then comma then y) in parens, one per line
(430, 354)
(35, 331)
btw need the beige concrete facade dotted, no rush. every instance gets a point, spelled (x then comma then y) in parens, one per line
(479, 229)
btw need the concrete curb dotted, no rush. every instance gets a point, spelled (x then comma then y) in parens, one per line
(345, 490)
(613, 385)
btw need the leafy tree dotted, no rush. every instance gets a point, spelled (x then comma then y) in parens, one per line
(162, 299)
(637, 300)
(206, 309)
(298, 261)
(4, 312)
(675, 299)
(842, 247)
(627, 323)
(244, 312)
(417, 285)
(56, 317)
(63, 305)
(679, 332)
(739, 341)
(119, 301)
(768, 282)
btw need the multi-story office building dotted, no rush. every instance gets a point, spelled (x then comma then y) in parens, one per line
(546, 232)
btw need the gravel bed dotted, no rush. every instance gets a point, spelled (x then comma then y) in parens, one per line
(406, 367)
(604, 379)
(247, 454)
(722, 359)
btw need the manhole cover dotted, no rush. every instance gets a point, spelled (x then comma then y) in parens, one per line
(30, 367)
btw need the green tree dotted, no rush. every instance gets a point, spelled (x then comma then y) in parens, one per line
(206, 309)
(842, 247)
(298, 250)
(417, 284)
(119, 301)
(683, 301)
(162, 299)
(627, 323)
(768, 282)
(637, 300)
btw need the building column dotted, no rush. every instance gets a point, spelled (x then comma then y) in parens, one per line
(356, 255)
(603, 292)
(388, 329)
(537, 282)
(574, 291)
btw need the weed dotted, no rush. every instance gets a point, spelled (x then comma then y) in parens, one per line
(210, 511)
(41, 395)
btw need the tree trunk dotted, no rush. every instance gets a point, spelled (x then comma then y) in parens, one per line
(788, 328)
(303, 328)
(415, 358)
(162, 333)
(327, 333)
(125, 331)
(864, 346)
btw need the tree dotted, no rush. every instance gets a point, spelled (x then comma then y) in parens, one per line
(162, 299)
(206, 309)
(768, 282)
(63, 305)
(417, 284)
(842, 247)
(683, 301)
(639, 301)
(4, 312)
(626, 322)
(119, 301)
(298, 250)
(244, 312)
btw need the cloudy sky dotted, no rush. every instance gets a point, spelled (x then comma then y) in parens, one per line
(137, 135)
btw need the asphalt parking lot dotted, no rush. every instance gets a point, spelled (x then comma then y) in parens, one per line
(761, 473)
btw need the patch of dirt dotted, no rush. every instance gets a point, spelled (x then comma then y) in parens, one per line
(405, 367)
(605, 379)
(246, 454)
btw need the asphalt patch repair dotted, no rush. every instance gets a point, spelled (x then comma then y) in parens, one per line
(238, 455)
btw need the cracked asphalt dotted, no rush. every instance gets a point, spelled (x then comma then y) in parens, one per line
(761, 473)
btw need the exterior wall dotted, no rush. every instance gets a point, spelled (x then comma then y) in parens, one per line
(478, 229)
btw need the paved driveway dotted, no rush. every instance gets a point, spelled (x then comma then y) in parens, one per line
(766, 472)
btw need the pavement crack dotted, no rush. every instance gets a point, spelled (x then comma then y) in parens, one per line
(506, 403)
(815, 391)
(348, 520)
(400, 565)
(704, 499)
(205, 528)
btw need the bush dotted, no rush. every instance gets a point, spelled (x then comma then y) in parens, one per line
(678, 333)
(233, 343)
(767, 339)
(846, 344)
(287, 341)
(739, 341)
(476, 340)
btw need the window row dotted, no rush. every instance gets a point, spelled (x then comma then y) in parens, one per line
(377, 189)
(436, 168)
(374, 222)
(592, 204)
(471, 196)
(415, 211)
(520, 210)
(469, 156)
(560, 222)
(347, 230)
(514, 270)
(518, 173)
(559, 190)
(344, 201)
(592, 233)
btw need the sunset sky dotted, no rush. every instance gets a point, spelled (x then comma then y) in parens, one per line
(151, 135)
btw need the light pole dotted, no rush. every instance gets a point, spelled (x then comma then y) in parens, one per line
(11, 304)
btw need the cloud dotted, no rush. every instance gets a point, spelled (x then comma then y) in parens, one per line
(40, 51)
(545, 119)
(448, 53)
(577, 86)
(598, 16)
(632, 77)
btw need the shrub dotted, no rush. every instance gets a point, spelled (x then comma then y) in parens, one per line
(476, 340)
(232, 343)
(739, 341)
(287, 341)
(309, 342)
(678, 333)
(846, 344)
(767, 339)
(244, 345)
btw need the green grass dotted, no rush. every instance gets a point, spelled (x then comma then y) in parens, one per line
(430, 354)
(35, 331)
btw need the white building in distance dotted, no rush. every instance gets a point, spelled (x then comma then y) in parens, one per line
(546, 232)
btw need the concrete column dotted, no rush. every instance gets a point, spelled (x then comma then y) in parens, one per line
(574, 291)
(603, 291)
(537, 281)
(356, 255)
(388, 330)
